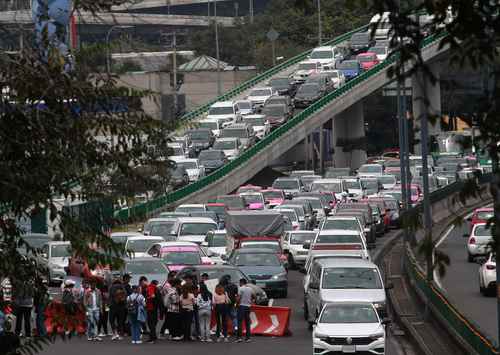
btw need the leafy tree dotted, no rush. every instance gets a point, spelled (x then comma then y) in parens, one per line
(70, 133)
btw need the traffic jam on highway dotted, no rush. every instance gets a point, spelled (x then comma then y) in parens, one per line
(192, 269)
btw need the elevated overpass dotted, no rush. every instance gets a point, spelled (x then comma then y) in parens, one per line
(341, 106)
(124, 19)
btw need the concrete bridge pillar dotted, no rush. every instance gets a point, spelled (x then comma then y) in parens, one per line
(348, 134)
(426, 99)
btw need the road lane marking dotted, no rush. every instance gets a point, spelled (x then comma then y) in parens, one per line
(439, 242)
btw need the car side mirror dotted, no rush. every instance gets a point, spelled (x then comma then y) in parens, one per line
(306, 245)
(389, 286)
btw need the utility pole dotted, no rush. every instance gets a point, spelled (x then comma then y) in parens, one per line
(250, 10)
(173, 45)
(219, 86)
(320, 26)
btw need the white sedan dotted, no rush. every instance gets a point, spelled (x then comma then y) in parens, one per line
(478, 242)
(193, 168)
(349, 327)
(488, 276)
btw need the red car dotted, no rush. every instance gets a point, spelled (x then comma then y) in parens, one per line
(367, 60)
(480, 215)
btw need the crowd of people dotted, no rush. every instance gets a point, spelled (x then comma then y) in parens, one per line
(178, 310)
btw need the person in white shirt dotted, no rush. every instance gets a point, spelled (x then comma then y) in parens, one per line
(245, 299)
(204, 302)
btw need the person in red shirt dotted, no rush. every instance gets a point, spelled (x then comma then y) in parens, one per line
(153, 299)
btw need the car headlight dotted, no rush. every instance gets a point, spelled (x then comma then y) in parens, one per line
(279, 276)
(376, 336)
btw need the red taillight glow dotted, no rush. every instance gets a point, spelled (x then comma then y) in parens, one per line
(472, 240)
(491, 267)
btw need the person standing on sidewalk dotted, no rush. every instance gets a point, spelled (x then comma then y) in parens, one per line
(92, 301)
(117, 309)
(102, 326)
(173, 316)
(135, 302)
(245, 299)
(153, 299)
(187, 306)
(204, 303)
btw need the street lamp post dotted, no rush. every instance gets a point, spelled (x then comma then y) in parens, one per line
(108, 53)
(320, 26)
(217, 54)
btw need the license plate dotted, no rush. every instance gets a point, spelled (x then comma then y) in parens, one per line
(349, 349)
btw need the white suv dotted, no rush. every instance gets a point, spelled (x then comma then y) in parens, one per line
(225, 110)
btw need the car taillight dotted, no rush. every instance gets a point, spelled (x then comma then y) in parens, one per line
(491, 267)
(472, 240)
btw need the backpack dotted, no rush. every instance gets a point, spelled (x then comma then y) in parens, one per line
(232, 292)
(120, 296)
(133, 306)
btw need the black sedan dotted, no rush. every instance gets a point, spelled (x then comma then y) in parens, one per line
(212, 159)
(307, 94)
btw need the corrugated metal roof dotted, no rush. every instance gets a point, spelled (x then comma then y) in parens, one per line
(202, 63)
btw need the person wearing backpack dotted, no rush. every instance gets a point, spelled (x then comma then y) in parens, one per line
(117, 309)
(135, 310)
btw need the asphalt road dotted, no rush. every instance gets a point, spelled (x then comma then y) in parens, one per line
(461, 284)
(297, 343)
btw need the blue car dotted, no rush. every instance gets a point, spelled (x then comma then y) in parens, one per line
(350, 68)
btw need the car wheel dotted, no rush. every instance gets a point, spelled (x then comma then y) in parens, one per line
(291, 262)
(470, 258)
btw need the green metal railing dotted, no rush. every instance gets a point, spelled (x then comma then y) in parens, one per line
(266, 75)
(141, 210)
(455, 319)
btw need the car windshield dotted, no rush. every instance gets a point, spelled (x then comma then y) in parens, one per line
(292, 216)
(221, 110)
(257, 259)
(255, 121)
(352, 184)
(308, 89)
(201, 135)
(177, 151)
(225, 145)
(139, 245)
(279, 82)
(307, 66)
(348, 314)
(300, 238)
(273, 194)
(217, 241)
(209, 124)
(261, 245)
(119, 238)
(334, 239)
(188, 164)
(482, 231)
(360, 37)
(369, 184)
(328, 54)
(349, 64)
(210, 155)
(378, 50)
(244, 105)
(36, 241)
(253, 198)
(326, 186)
(232, 202)
(485, 215)
(142, 267)
(162, 229)
(277, 110)
(217, 209)
(387, 179)
(182, 258)
(277, 100)
(345, 224)
(196, 228)
(315, 202)
(370, 169)
(235, 133)
(286, 184)
(355, 277)
(260, 92)
(189, 209)
(60, 251)
(366, 58)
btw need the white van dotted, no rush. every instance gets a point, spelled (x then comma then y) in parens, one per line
(382, 24)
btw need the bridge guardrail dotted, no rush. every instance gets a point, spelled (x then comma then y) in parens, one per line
(141, 210)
